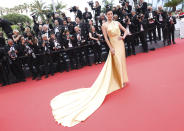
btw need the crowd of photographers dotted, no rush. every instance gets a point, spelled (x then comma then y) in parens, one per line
(74, 44)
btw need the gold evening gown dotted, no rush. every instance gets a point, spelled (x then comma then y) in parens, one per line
(72, 107)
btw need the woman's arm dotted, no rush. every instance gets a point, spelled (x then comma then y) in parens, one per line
(106, 39)
(124, 30)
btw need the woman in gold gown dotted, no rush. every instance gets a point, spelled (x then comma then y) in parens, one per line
(72, 107)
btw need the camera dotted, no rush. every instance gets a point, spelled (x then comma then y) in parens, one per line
(29, 51)
(91, 4)
(139, 17)
(73, 9)
(122, 2)
(33, 15)
(58, 46)
(13, 54)
(126, 20)
(47, 49)
(108, 6)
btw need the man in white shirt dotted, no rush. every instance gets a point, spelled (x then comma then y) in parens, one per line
(151, 18)
(162, 24)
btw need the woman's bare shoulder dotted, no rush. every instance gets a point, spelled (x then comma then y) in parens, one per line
(117, 22)
(105, 24)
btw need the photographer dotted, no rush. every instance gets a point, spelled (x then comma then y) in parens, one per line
(114, 10)
(151, 18)
(128, 7)
(49, 23)
(142, 31)
(56, 47)
(36, 24)
(16, 36)
(6, 27)
(171, 28)
(87, 15)
(119, 10)
(46, 31)
(64, 26)
(4, 67)
(97, 9)
(39, 34)
(28, 34)
(2, 40)
(83, 28)
(96, 45)
(68, 40)
(47, 56)
(123, 17)
(71, 25)
(77, 12)
(102, 18)
(56, 17)
(135, 21)
(58, 31)
(21, 26)
(162, 24)
(31, 58)
(141, 7)
(130, 38)
(79, 38)
(12, 52)
(116, 18)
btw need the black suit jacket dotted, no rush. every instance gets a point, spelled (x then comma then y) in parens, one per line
(132, 27)
(6, 26)
(2, 42)
(7, 48)
(154, 16)
(129, 9)
(170, 25)
(135, 21)
(164, 16)
(97, 11)
(143, 8)
(59, 20)
(87, 15)
(144, 23)
(79, 14)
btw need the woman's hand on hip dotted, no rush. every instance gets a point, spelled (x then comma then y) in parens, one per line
(121, 37)
(112, 51)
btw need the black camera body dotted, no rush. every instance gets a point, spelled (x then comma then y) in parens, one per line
(73, 9)
(29, 51)
(13, 54)
(126, 20)
(47, 51)
(109, 6)
(91, 4)
(33, 15)
(122, 2)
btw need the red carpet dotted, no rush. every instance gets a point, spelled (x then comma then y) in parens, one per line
(152, 101)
